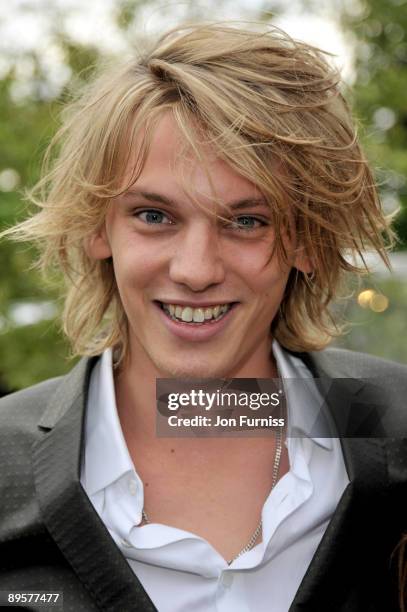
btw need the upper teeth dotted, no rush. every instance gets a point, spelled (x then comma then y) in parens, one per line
(197, 315)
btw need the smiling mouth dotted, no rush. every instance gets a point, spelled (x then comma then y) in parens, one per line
(196, 316)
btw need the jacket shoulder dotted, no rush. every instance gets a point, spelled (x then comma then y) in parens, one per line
(343, 363)
(19, 416)
(20, 411)
(376, 384)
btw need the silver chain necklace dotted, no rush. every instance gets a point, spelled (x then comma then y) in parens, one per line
(276, 466)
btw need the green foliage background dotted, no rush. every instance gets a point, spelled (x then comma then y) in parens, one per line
(377, 29)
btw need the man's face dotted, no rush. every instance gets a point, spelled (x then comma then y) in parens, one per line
(174, 261)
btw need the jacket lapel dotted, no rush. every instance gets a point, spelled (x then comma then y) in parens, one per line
(336, 573)
(335, 570)
(67, 512)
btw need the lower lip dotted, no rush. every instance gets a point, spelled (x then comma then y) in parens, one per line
(195, 332)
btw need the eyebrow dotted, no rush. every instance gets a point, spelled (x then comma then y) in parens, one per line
(162, 199)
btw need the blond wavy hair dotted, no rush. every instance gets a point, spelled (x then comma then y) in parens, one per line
(253, 94)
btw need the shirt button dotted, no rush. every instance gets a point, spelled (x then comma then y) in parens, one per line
(227, 579)
(132, 487)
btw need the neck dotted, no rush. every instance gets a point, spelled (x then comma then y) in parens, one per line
(135, 388)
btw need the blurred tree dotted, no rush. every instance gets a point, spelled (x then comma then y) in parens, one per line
(31, 347)
(378, 29)
(24, 131)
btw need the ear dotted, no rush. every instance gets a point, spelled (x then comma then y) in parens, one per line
(302, 261)
(97, 246)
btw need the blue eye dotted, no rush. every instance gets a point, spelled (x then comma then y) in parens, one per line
(153, 217)
(246, 222)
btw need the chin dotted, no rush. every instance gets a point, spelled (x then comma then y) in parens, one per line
(190, 368)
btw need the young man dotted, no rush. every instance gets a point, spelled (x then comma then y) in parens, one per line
(206, 201)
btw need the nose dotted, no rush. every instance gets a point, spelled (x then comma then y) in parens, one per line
(197, 262)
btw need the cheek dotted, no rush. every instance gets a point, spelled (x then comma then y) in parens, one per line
(264, 276)
(136, 264)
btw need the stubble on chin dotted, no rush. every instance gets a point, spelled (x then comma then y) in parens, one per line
(190, 369)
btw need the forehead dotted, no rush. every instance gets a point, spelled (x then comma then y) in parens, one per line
(173, 165)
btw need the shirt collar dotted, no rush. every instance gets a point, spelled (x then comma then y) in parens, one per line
(105, 444)
(304, 401)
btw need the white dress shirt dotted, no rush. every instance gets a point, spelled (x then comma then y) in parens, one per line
(180, 570)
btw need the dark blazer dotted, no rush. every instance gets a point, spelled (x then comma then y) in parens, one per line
(51, 538)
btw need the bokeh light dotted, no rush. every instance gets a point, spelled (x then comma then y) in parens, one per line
(364, 297)
(373, 300)
(379, 302)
